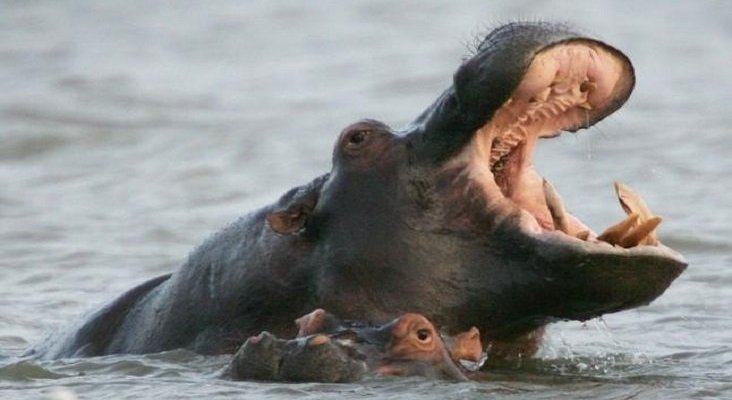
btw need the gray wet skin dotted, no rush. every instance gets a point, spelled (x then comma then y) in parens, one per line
(440, 218)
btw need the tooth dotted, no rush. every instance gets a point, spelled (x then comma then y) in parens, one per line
(583, 235)
(524, 131)
(615, 233)
(562, 87)
(555, 108)
(558, 108)
(642, 234)
(556, 207)
(544, 113)
(633, 203)
(565, 101)
(544, 94)
(586, 105)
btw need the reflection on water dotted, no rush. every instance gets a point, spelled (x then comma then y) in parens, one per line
(130, 131)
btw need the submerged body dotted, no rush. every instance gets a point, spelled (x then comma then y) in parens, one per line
(447, 218)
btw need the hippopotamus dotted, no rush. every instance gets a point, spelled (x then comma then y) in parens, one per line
(446, 217)
(327, 350)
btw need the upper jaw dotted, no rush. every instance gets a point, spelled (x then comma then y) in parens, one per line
(500, 70)
(528, 81)
(568, 84)
(566, 87)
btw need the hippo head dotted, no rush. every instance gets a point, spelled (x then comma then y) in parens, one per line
(449, 218)
(406, 346)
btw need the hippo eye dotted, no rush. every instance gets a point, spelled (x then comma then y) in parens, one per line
(423, 335)
(356, 138)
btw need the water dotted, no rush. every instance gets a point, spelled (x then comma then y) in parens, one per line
(131, 130)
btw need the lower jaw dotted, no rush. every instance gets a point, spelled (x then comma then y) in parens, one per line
(544, 213)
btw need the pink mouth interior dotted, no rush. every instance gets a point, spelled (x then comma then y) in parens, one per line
(566, 87)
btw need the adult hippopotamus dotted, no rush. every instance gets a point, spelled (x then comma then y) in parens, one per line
(328, 350)
(446, 217)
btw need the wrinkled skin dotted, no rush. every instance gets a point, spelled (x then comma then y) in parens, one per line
(328, 351)
(445, 217)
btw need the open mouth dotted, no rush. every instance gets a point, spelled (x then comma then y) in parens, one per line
(568, 86)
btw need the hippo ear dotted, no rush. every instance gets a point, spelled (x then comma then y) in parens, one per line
(288, 221)
(294, 208)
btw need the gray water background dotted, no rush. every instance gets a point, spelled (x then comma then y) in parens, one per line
(132, 130)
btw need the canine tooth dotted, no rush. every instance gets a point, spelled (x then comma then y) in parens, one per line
(556, 207)
(583, 235)
(642, 234)
(631, 201)
(615, 233)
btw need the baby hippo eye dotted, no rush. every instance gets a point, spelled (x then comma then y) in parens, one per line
(423, 335)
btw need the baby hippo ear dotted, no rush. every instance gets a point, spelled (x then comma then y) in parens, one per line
(292, 211)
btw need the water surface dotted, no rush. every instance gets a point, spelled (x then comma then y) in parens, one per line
(132, 130)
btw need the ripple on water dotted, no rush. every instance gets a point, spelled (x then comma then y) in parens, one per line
(186, 117)
(29, 146)
(26, 370)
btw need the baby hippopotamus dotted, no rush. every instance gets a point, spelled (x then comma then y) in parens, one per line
(329, 350)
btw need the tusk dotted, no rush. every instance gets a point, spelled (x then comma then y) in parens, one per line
(632, 202)
(615, 233)
(642, 233)
(556, 207)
